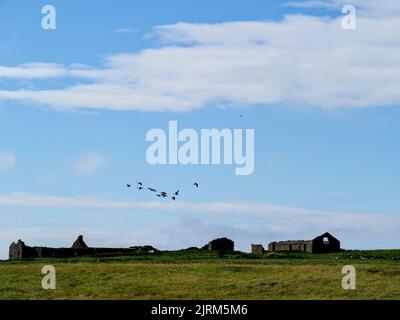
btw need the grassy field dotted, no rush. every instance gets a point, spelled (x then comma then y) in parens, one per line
(206, 275)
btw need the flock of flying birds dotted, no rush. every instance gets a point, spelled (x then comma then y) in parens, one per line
(161, 194)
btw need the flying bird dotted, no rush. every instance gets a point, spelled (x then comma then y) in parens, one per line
(163, 194)
(140, 184)
(152, 190)
(176, 193)
(140, 188)
(128, 185)
(196, 184)
(173, 198)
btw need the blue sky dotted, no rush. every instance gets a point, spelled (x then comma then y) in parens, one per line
(76, 104)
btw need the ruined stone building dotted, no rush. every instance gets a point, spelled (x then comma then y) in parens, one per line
(221, 244)
(324, 243)
(79, 244)
(257, 249)
(79, 248)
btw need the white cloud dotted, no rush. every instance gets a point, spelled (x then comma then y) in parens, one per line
(7, 161)
(88, 163)
(126, 30)
(301, 60)
(33, 71)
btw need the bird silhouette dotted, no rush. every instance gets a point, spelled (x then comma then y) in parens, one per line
(173, 198)
(140, 188)
(176, 193)
(128, 185)
(140, 184)
(152, 190)
(196, 184)
(163, 194)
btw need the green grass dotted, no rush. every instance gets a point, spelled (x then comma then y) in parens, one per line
(206, 275)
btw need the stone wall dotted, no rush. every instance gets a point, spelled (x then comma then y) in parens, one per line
(324, 243)
(221, 244)
(257, 249)
(291, 246)
(20, 251)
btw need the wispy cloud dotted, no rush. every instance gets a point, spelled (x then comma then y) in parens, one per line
(7, 161)
(87, 163)
(313, 4)
(125, 30)
(290, 217)
(382, 8)
(33, 71)
(182, 224)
